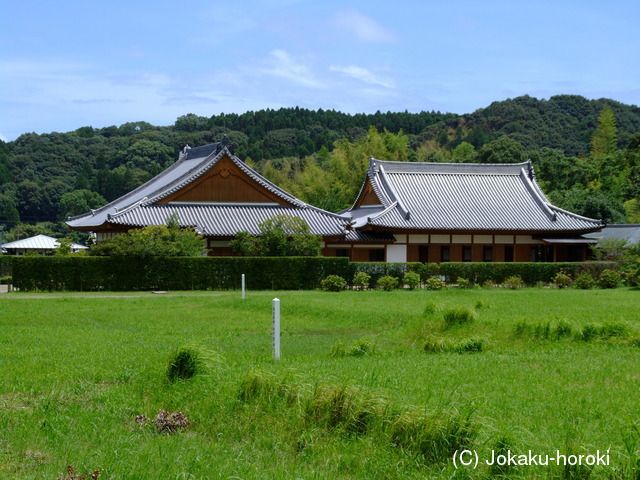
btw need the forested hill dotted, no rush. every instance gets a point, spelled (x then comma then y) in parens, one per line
(586, 154)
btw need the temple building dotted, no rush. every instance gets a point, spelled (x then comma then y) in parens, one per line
(405, 212)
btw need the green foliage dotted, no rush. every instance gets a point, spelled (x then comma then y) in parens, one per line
(604, 140)
(463, 282)
(584, 281)
(333, 283)
(78, 273)
(434, 283)
(280, 236)
(387, 283)
(79, 202)
(152, 241)
(609, 279)
(412, 280)
(184, 363)
(357, 349)
(561, 279)
(458, 316)
(362, 280)
(466, 345)
(514, 282)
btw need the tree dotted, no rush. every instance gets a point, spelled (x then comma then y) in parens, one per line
(9, 215)
(79, 202)
(280, 236)
(502, 150)
(604, 140)
(153, 241)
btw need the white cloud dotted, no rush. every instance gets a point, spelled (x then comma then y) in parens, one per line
(363, 75)
(281, 64)
(363, 28)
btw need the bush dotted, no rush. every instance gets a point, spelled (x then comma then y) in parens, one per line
(609, 279)
(333, 283)
(362, 280)
(458, 316)
(412, 279)
(434, 283)
(387, 283)
(561, 280)
(463, 282)
(514, 282)
(584, 281)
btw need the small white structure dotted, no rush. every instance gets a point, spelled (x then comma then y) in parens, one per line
(38, 244)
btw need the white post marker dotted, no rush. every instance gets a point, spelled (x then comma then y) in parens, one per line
(276, 328)
(243, 286)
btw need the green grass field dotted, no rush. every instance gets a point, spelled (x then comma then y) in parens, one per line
(531, 369)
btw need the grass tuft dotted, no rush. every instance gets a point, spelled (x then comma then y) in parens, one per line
(359, 348)
(458, 316)
(436, 436)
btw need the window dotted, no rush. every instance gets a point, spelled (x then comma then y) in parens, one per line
(376, 255)
(423, 253)
(508, 253)
(466, 253)
(342, 252)
(487, 254)
(445, 253)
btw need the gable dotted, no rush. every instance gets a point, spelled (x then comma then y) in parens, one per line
(224, 183)
(367, 196)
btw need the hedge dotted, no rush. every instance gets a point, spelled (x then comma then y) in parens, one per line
(80, 273)
(173, 273)
(6, 262)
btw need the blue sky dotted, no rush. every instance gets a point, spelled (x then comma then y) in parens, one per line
(68, 64)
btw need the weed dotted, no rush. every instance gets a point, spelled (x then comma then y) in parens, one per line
(185, 363)
(437, 436)
(264, 386)
(346, 407)
(356, 349)
(458, 316)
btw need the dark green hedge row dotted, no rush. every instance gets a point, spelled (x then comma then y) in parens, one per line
(175, 273)
(262, 273)
(480, 272)
(6, 262)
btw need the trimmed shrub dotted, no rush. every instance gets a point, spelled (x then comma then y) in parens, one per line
(458, 316)
(434, 283)
(514, 282)
(609, 279)
(584, 281)
(561, 279)
(362, 280)
(333, 283)
(463, 282)
(412, 279)
(387, 283)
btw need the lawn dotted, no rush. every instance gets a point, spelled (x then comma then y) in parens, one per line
(544, 370)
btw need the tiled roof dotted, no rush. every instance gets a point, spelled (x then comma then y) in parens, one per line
(39, 242)
(459, 196)
(140, 207)
(227, 220)
(629, 233)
